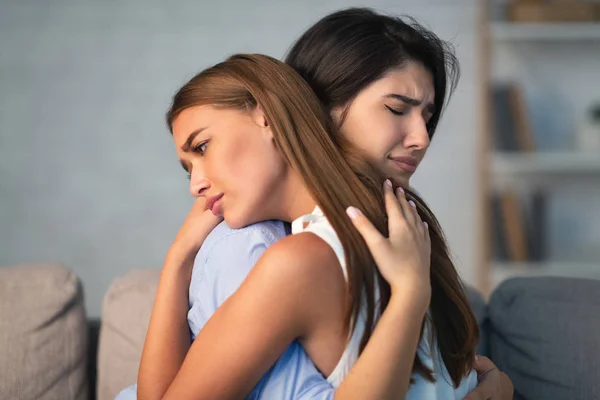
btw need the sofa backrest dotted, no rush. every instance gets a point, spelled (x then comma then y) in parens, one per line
(545, 334)
(43, 334)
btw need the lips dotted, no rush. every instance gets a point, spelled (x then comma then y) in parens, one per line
(407, 163)
(211, 201)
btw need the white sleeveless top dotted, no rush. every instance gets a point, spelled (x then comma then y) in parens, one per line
(318, 224)
(442, 388)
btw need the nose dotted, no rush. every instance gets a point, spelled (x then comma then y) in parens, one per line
(198, 184)
(418, 137)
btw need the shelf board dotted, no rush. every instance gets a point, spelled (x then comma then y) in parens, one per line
(518, 31)
(500, 271)
(559, 163)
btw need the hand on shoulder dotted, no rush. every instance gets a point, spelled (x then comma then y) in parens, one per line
(404, 257)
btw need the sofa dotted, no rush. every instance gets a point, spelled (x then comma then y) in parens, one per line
(543, 332)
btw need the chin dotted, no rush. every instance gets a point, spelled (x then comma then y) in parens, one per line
(237, 221)
(401, 181)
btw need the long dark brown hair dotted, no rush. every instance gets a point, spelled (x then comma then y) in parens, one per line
(337, 176)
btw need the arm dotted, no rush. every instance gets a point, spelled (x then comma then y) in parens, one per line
(167, 340)
(226, 258)
(384, 368)
(255, 325)
(380, 368)
(282, 298)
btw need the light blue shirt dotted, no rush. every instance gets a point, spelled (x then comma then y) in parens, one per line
(223, 262)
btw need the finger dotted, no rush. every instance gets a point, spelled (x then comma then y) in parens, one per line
(483, 391)
(483, 365)
(507, 385)
(397, 224)
(370, 234)
(426, 234)
(393, 208)
(415, 218)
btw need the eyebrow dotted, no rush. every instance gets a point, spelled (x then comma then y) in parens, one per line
(411, 101)
(188, 143)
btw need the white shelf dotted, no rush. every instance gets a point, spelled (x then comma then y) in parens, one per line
(501, 271)
(546, 163)
(513, 31)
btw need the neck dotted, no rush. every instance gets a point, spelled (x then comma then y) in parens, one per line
(297, 200)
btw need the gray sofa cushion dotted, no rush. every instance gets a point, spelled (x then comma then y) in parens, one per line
(43, 334)
(125, 317)
(545, 334)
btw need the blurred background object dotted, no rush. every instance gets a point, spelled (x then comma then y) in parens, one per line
(89, 177)
(543, 59)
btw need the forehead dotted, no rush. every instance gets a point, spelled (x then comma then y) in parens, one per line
(205, 116)
(412, 80)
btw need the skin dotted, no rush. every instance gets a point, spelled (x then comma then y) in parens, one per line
(224, 159)
(395, 109)
(244, 338)
(234, 155)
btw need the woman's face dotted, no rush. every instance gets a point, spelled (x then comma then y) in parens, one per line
(232, 161)
(387, 121)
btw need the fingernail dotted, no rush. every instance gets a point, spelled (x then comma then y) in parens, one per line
(476, 357)
(352, 212)
(427, 227)
(412, 203)
(400, 189)
(388, 182)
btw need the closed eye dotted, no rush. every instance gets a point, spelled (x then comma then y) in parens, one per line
(394, 111)
(428, 117)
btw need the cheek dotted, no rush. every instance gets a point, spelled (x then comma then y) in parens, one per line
(248, 178)
(263, 172)
(389, 136)
(236, 167)
(266, 177)
(375, 138)
(386, 136)
(223, 163)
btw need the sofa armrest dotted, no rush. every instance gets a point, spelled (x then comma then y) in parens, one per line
(545, 334)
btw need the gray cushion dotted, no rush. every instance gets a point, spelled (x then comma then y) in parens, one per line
(545, 334)
(43, 334)
(125, 317)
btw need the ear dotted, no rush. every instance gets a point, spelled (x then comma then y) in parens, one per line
(260, 119)
(336, 115)
(258, 115)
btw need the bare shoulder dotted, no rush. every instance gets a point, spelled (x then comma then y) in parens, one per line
(303, 274)
(304, 256)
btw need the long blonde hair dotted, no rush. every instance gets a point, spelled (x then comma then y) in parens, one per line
(337, 176)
